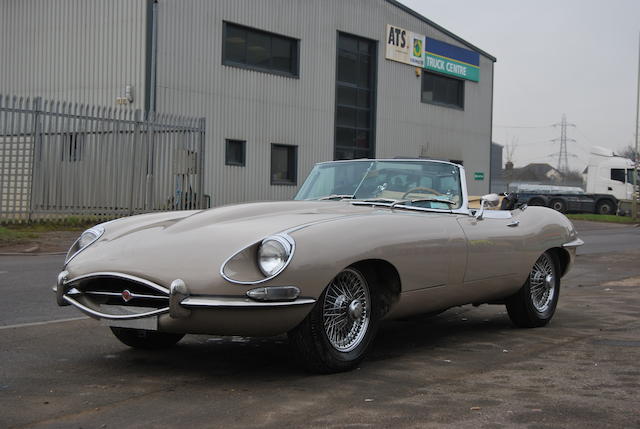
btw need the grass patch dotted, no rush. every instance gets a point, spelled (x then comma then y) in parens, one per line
(602, 218)
(66, 224)
(10, 236)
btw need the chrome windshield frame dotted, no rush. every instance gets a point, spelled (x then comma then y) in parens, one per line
(464, 205)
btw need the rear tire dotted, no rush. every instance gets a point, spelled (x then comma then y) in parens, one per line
(605, 208)
(535, 303)
(558, 205)
(143, 339)
(337, 333)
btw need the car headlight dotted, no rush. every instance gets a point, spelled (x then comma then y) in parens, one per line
(274, 254)
(85, 240)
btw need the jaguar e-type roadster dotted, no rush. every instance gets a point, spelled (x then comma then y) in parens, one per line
(363, 241)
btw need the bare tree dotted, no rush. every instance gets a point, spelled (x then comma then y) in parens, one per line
(510, 149)
(628, 152)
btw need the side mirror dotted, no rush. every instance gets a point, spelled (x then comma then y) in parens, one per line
(489, 200)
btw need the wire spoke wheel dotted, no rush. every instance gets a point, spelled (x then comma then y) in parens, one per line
(346, 310)
(542, 280)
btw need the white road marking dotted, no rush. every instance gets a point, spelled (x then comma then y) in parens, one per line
(48, 322)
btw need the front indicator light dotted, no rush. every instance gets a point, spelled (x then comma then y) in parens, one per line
(274, 293)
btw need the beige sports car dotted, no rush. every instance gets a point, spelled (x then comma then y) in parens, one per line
(363, 241)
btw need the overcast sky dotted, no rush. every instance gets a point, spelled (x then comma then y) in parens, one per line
(578, 57)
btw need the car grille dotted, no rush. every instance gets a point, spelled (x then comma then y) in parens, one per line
(122, 291)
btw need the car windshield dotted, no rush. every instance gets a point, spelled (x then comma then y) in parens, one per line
(427, 184)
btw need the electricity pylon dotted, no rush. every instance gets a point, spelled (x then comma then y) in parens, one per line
(563, 158)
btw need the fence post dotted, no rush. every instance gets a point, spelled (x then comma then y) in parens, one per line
(202, 135)
(36, 140)
(136, 138)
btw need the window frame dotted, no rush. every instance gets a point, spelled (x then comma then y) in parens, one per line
(373, 96)
(270, 70)
(227, 143)
(277, 182)
(441, 103)
(619, 171)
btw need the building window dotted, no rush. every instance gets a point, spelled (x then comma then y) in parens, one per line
(284, 164)
(259, 50)
(442, 90)
(235, 152)
(355, 97)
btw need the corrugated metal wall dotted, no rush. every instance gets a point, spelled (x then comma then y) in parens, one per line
(262, 108)
(83, 51)
(89, 50)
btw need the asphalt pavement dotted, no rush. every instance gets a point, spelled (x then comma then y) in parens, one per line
(467, 367)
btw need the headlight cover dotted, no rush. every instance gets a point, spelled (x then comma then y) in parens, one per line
(87, 238)
(274, 254)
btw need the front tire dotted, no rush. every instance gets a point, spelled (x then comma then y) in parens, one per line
(535, 303)
(338, 331)
(143, 339)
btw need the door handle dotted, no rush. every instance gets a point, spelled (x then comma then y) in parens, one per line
(514, 223)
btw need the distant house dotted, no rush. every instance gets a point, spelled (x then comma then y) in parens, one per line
(535, 173)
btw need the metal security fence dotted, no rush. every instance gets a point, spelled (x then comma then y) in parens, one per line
(59, 159)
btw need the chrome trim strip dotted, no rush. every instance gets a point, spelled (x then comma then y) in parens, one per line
(255, 282)
(93, 313)
(122, 276)
(575, 243)
(240, 302)
(98, 230)
(116, 294)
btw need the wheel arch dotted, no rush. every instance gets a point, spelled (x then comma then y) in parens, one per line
(562, 257)
(386, 279)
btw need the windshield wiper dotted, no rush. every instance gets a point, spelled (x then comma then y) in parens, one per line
(384, 201)
(336, 197)
(422, 200)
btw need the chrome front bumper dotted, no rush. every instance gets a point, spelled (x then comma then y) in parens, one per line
(176, 301)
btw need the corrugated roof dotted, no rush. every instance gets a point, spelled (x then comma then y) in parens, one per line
(440, 28)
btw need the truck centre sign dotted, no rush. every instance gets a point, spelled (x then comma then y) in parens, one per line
(417, 50)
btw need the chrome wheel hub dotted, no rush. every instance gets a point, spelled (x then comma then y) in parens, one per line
(346, 310)
(542, 283)
(355, 310)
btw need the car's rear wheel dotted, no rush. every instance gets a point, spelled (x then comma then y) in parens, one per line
(535, 303)
(338, 331)
(143, 339)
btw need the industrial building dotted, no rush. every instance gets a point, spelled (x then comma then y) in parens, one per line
(282, 84)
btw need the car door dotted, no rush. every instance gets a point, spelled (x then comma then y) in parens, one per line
(494, 248)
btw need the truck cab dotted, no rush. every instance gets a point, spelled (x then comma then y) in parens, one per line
(607, 173)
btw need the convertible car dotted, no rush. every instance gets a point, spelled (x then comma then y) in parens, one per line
(363, 241)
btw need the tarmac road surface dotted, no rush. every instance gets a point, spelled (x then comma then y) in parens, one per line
(467, 367)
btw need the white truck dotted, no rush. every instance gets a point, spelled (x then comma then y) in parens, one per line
(608, 173)
(609, 188)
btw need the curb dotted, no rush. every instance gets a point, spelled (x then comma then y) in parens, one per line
(32, 254)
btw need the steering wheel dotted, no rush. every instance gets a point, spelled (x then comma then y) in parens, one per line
(421, 190)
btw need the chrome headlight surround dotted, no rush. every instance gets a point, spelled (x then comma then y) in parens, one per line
(274, 254)
(250, 257)
(86, 239)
